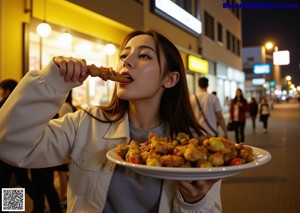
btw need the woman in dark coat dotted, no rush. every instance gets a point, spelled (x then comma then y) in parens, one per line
(253, 110)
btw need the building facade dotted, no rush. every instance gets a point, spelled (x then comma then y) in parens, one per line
(206, 34)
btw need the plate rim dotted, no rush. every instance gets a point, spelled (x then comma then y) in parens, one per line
(261, 157)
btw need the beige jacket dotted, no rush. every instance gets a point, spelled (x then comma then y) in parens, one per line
(28, 139)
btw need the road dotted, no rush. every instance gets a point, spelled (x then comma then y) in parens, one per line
(275, 186)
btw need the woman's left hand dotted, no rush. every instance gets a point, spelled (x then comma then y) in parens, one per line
(194, 191)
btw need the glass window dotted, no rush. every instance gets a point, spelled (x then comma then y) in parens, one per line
(209, 26)
(94, 91)
(190, 78)
(191, 6)
(220, 32)
(228, 39)
(233, 44)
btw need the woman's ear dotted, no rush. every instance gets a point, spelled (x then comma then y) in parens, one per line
(171, 79)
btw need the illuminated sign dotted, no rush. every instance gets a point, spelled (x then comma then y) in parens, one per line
(177, 15)
(258, 81)
(281, 57)
(261, 69)
(272, 83)
(197, 64)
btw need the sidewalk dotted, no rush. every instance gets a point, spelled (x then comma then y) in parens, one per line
(273, 187)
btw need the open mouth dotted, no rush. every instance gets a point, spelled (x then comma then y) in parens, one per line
(127, 75)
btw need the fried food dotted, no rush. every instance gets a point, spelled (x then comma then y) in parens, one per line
(186, 152)
(107, 74)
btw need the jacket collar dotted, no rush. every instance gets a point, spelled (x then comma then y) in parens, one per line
(119, 129)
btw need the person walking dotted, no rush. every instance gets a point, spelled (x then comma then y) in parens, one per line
(253, 110)
(264, 113)
(155, 99)
(6, 170)
(207, 109)
(238, 109)
(43, 180)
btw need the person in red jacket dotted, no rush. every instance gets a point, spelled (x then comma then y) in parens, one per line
(238, 109)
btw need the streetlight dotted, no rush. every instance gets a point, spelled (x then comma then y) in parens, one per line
(269, 45)
(276, 68)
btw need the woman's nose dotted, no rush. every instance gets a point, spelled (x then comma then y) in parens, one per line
(127, 64)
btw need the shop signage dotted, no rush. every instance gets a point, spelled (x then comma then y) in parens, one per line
(177, 15)
(258, 81)
(197, 64)
(281, 57)
(261, 68)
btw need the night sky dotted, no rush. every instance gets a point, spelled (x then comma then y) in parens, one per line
(282, 26)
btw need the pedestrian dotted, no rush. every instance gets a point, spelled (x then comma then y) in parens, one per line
(43, 180)
(155, 100)
(226, 104)
(238, 109)
(6, 88)
(207, 109)
(6, 170)
(253, 110)
(264, 113)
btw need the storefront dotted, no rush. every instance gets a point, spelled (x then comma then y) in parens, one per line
(73, 34)
(22, 49)
(223, 80)
(96, 51)
(228, 80)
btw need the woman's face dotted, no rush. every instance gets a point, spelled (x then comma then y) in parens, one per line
(139, 61)
(238, 93)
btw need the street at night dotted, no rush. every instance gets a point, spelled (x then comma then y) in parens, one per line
(273, 187)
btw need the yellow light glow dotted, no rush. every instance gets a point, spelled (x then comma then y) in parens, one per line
(66, 38)
(197, 64)
(43, 30)
(288, 78)
(110, 49)
(269, 45)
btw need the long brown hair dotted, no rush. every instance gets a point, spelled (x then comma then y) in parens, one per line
(175, 106)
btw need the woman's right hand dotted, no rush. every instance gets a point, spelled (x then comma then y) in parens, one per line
(72, 69)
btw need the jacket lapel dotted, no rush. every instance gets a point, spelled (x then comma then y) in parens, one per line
(119, 129)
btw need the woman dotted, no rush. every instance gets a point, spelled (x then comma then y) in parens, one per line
(264, 113)
(155, 100)
(253, 110)
(238, 109)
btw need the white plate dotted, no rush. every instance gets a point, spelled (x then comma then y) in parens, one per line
(261, 157)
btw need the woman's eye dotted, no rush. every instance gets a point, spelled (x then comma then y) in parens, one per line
(145, 56)
(123, 56)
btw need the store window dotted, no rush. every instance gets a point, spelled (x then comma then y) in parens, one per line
(94, 91)
(190, 78)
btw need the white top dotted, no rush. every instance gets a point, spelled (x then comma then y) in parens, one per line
(210, 105)
(265, 109)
